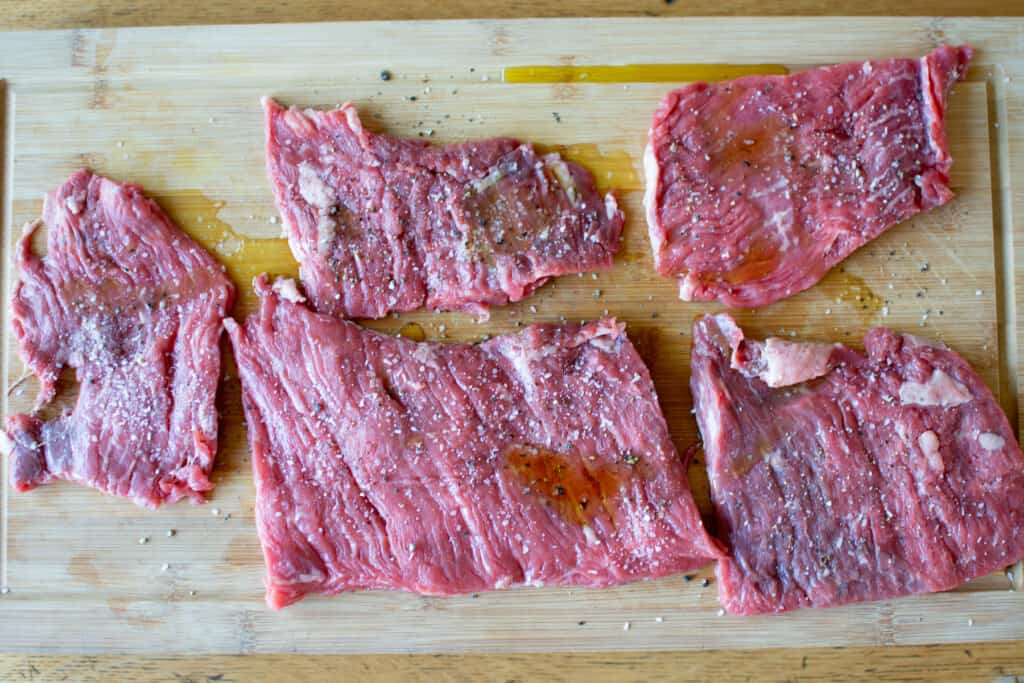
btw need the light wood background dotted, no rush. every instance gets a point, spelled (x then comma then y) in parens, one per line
(967, 662)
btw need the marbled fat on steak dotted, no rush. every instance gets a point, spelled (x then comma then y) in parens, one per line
(756, 187)
(540, 458)
(381, 224)
(840, 477)
(136, 308)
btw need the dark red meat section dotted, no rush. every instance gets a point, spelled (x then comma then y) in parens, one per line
(858, 476)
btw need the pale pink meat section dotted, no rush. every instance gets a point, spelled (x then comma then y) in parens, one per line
(136, 308)
(756, 187)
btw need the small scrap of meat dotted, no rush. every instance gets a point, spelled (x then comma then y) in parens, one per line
(848, 487)
(136, 307)
(381, 224)
(757, 187)
(539, 458)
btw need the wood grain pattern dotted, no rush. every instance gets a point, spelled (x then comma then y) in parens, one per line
(118, 84)
(48, 14)
(981, 662)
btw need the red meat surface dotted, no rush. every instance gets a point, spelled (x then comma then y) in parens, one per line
(538, 458)
(136, 308)
(381, 224)
(841, 477)
(756, 187)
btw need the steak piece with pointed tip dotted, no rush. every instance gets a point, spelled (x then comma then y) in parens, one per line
(756, 187)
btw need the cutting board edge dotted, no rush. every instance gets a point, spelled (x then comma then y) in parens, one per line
(1012, 254)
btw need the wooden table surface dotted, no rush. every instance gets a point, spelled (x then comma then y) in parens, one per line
(988, 662)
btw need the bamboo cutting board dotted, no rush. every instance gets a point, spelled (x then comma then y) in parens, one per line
(177, 110)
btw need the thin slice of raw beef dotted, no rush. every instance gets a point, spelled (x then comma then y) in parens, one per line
(840, 477)
(380, 224)
(531, 459)
(136, 307)
(756, 187)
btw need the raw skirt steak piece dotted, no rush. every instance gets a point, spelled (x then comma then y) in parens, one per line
(839, 477)
(538, 458)
(136, 307)
(756, 187)
(380, 224)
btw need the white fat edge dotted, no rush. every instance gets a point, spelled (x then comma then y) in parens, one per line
(313, 189)
(326, 230)
(651, 178)
(604, 337)
(940, 390)
(775, 458)
(31, 226)
(6, 444)
(991, 441)
(287, 289)
(520, 358)
(924, 77)
(812, 357)
(503, 582)
(688, 287)
(489, 180)
(712, 420)
(592, 538)
(604, 343)
(611, 207)
(352, 119)
(928, 442)
(75, 202)
(564, 177)
(521, 363)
